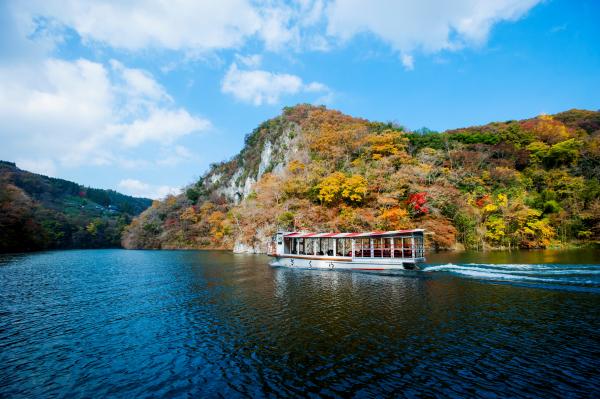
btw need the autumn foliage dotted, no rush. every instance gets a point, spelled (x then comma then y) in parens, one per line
(39, 212)
(417, 202)
(526, 184)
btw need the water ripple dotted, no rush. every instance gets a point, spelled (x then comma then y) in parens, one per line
(180, 324)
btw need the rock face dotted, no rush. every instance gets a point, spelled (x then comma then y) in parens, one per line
(268, 149)
(241, 248)
(276, 146)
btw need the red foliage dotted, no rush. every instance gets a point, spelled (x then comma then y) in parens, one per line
(418, 203)
(481, 201)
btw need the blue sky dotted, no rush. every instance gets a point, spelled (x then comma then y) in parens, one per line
(142, 96)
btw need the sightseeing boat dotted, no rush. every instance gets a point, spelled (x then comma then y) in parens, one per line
(377, 250)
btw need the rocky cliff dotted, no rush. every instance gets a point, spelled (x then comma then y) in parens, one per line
(267, 149)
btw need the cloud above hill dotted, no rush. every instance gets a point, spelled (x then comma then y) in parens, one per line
(138, 188)
(427, 25)
(83, 113)
(258, 86)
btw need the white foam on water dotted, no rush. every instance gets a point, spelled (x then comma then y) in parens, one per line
(526, 266)
(563, 274)
(535, 266)
(593, 270)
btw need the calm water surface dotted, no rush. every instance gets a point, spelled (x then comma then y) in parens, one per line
(115, 323)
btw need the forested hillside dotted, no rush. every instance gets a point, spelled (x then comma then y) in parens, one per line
(40, 212)
(529, 184)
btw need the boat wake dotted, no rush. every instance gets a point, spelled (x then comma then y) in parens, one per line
(581, 276)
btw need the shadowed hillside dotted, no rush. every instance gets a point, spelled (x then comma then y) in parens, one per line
(529, 184)
(40, 212)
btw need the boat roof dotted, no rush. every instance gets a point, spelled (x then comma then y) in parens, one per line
(303, 234)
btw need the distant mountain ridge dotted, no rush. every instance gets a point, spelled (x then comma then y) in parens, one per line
(531, 183)
(41, 212)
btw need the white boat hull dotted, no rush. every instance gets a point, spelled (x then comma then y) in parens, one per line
(308, 262)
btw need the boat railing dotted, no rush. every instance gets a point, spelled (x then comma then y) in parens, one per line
(406, 252)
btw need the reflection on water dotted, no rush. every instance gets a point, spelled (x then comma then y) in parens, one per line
(151, 323)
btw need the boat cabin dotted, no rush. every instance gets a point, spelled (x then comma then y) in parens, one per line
(399, 245)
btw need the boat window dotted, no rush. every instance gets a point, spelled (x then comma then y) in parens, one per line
(347, 247)
(419, 247)
(324, 246)
(311, 246)
(342, 246)
(329, 247)
(387, 248)
(378, 243)
(364, 248)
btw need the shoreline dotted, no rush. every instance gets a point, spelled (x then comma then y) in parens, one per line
(565, 248)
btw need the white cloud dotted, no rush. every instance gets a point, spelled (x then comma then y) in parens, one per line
(21, 37)
(194, 27)
(251, 61)
(138, 188)
(127, 163)
(82, 112)
(139, 24)
(425, 25)
(178, 155)
(314, 87)
(199, 28)
(311, 11)
(42, 166)
(163, 126)
(139, 84)
(408, 61)
(52, 109)
(258, 86)
(276, 28)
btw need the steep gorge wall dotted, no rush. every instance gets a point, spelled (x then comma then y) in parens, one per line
(271, 147)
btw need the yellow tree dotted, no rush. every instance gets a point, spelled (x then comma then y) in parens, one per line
(330, 188)
(385, 144)
(393, 219)
(337, 186)
(354, 189)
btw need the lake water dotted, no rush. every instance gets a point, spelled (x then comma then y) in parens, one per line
(116, 323)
